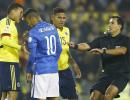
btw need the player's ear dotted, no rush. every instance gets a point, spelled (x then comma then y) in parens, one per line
(32, 19)
(120, 27)
(51, 19)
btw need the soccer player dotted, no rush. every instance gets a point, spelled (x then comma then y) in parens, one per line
(44, 48)
(66, 80)
(115, 50)
(9, 52)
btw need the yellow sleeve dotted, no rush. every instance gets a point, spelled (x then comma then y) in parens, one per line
(9, 42)
(0, 35)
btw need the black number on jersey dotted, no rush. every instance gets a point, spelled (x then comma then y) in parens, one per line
(63, 41)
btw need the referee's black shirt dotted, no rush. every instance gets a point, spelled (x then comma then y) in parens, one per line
(114, 64)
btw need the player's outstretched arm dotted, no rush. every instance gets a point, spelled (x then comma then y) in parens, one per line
(75, 66)
(80, 46)
(114, 52)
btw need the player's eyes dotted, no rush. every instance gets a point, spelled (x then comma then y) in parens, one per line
(64, 17)
(112, 22)
(61, 17)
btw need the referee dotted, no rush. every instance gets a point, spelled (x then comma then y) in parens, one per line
(115, 50)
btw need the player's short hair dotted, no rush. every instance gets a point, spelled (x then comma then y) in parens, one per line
(31, 13)
(58, 10)
(119, 21)
(13, 6)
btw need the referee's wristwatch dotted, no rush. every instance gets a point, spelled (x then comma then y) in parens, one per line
(104, 50)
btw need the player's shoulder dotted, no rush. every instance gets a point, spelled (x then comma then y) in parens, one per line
(5, 25)
(7, 21)
(66, 28)
(125, 37)
(104, 37)
(101, 37)
(2, 20)
(45, 24)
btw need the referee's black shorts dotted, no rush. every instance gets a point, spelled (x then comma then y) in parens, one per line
(118, 80)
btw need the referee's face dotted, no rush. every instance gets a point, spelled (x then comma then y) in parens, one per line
(114, 27)
(59, 19)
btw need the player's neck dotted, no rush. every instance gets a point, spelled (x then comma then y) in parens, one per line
(10, 16)
(115, 34)
(60, 28)
(36, 21)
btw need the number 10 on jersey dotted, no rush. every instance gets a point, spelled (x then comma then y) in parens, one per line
(51, 44)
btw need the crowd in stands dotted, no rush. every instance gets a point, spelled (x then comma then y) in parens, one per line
(87, 20)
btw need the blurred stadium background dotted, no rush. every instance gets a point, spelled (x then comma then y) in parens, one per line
(87, 19)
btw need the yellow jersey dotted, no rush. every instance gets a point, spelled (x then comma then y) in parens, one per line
(63, 62)
(9, 47)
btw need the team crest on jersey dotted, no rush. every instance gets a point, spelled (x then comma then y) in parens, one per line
(66, 33)
(6, 30)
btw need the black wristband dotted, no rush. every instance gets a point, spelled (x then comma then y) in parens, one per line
(76, 46)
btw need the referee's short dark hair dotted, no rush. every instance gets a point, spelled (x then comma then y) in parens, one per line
(13, 6)
(58, 10)
(119, 21)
